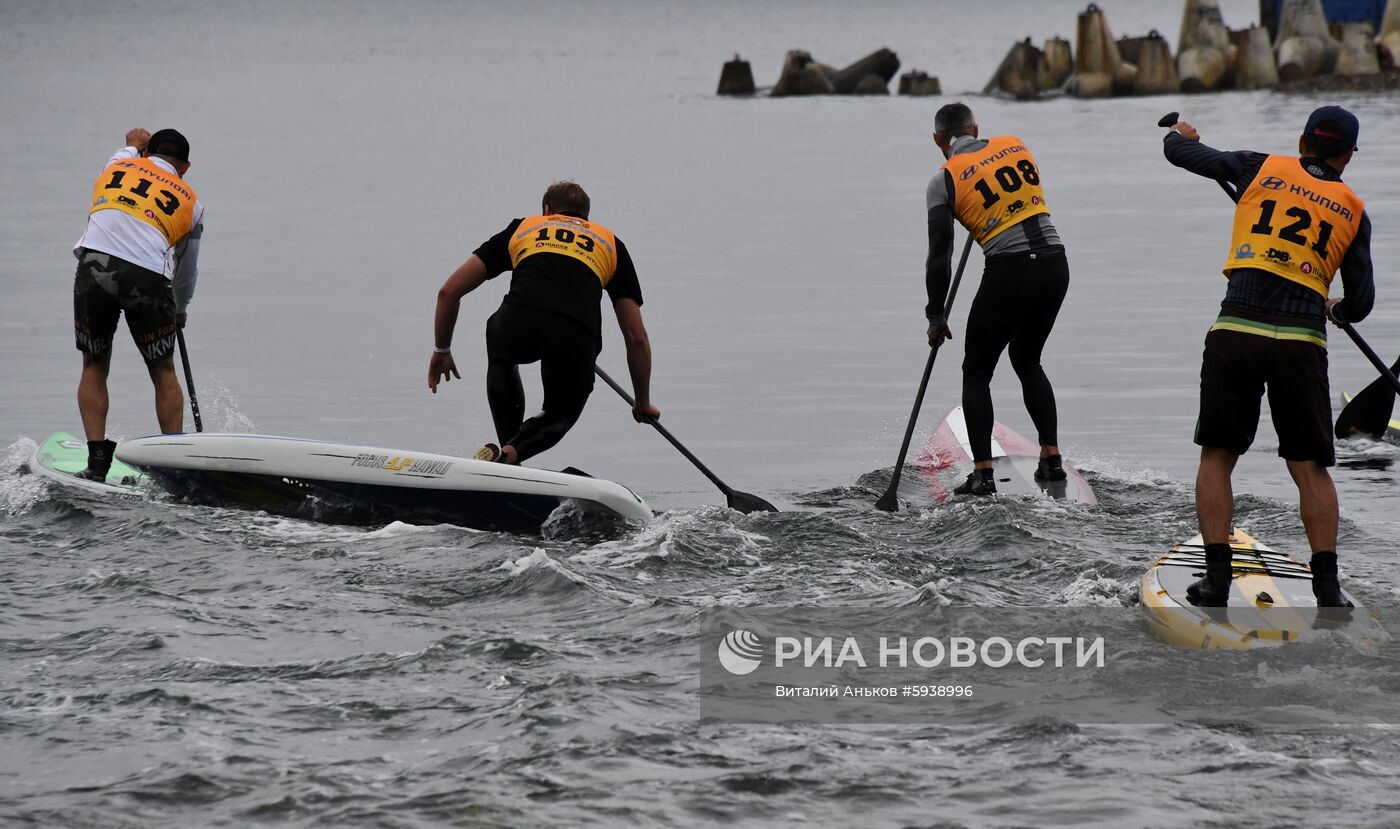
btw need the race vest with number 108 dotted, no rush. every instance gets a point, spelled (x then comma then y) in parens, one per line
(1294, 225)
(996, 187)
(588, 242)
(141, 189)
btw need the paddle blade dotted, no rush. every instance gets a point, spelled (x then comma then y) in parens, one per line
(888, 502)
(747, 503)
(1368, 413)
(1169, 120)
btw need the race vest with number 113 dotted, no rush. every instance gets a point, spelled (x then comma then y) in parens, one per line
(588, 242)
(141, 189)
(996, 187)
(1294, 225)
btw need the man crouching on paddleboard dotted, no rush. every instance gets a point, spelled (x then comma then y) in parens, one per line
(1295, 225)
(138, 256)
(562, 263)
(993, 188)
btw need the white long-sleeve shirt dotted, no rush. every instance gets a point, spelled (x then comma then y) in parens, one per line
(126, 237)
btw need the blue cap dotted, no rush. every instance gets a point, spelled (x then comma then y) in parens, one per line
(1343, 125)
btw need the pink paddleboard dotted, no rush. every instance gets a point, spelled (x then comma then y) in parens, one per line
(947, 461)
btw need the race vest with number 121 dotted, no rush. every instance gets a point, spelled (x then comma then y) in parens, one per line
(588, 242)
(1294, 225)
(996, 187)
(141, 189)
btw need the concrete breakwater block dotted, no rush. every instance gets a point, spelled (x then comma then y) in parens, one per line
(802, 75)
(1356, 53)
(1099, 70)
(1388, 44)
(1156, 71)
(919, 84)
(855, 79)
(1205, 55)
(736, 78)
(1254, 59)
(1304, 47)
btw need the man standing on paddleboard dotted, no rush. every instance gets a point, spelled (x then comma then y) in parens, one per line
(1295, 225)
(562, 264)
(992, 186)
(138, 256)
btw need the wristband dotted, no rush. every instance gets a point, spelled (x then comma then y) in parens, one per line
(437, 350)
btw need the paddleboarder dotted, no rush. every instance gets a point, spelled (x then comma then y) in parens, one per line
(139, 256)
(1296, 225)
(562, 263)
(992, 186)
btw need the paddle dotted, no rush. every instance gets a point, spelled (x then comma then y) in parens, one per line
(889, 502)
(741, 501)
(189, 379)
(1369, 412)
(1372, 415)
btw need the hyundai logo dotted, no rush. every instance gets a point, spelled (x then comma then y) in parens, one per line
(1272, 183)
(967, 174)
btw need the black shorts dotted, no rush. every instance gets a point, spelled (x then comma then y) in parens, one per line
(106, 286)
(1238, 366)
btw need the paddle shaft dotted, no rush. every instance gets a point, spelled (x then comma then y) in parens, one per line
(1387, 372)
(189, 379)
(656, 424)
(889, 502)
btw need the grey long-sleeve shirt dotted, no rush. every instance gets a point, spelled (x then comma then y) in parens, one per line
(1034, 234)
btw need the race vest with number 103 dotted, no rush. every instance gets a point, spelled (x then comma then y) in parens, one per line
(1294, 225)
(142, 190)
(588, 242)
(996, 187)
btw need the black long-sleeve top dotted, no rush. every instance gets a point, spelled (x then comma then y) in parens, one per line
(1263, 291)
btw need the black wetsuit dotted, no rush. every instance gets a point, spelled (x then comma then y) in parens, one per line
(550, 315)
(1024, 282)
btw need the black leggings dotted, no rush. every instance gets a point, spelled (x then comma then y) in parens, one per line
(1015, 306)
(565, 350)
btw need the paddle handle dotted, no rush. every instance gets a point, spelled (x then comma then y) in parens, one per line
(189, 379)
(1371, 355)
(889, 502)
(656, 424)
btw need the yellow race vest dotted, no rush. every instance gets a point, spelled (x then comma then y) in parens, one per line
(588, 242)
(1294, 225)
(142, 190)
(996, 187)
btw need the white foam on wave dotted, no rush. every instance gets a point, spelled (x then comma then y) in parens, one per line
(20, 489)
(658, 539)
(1093, 590)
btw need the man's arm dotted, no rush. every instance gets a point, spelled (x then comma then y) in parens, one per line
(634, 333)
(464, 280)
(938, 268)
(186, 269)
(1182, 146)
(1358, 278)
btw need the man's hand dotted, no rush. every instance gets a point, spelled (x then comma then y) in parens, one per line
(137, 138)
(441, 368)
(937, 332)
(1187, 131)
(180, 320)
(644, 411)
(1331, 304)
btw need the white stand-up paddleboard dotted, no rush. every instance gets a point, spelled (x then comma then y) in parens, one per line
(1271, 600)
(63, 456)
(947, 461)
(365, 484)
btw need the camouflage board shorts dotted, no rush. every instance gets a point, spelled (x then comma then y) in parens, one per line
(106, 286)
